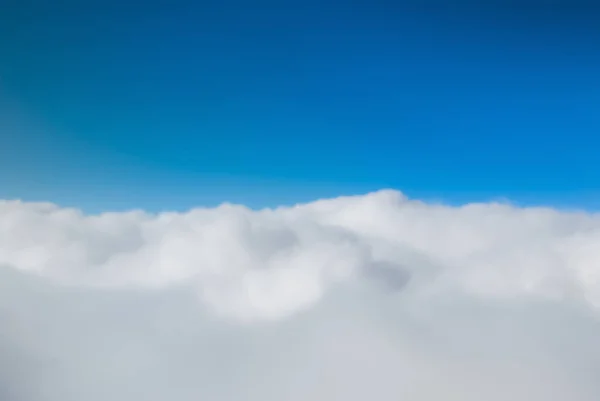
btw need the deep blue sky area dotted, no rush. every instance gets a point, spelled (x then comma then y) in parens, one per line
(160, 105)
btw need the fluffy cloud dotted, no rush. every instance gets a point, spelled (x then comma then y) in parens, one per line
(373, 296)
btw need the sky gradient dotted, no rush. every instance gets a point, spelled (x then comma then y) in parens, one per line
(159, 105)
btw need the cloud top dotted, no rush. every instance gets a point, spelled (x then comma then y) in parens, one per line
(395, 299)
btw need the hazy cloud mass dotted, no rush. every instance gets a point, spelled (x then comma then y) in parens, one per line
(373, 297)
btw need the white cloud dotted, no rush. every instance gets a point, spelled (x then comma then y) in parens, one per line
(373, 296)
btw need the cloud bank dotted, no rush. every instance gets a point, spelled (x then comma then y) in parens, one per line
(364, 297)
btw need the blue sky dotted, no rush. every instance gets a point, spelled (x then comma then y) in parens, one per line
(159, 105)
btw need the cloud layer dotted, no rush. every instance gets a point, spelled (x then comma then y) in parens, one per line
(373, 296)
